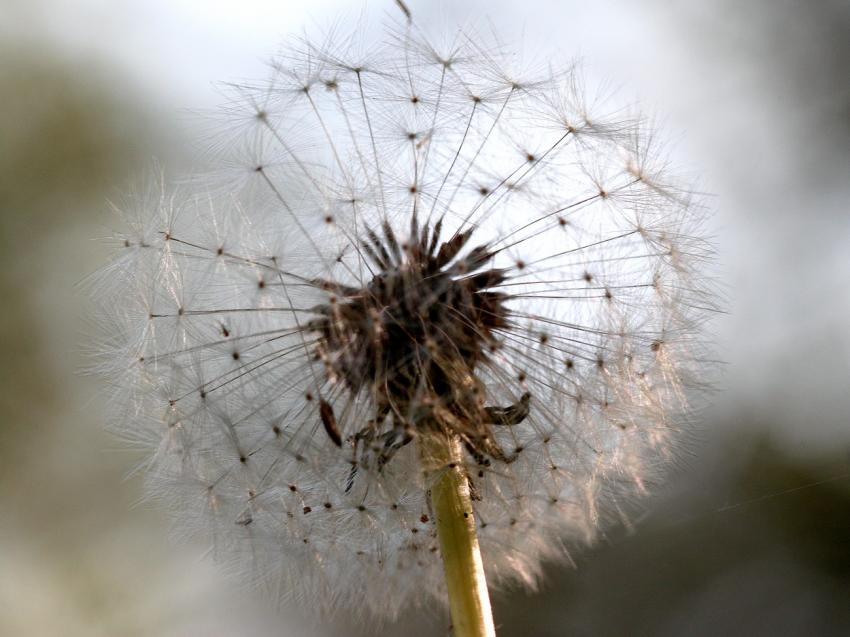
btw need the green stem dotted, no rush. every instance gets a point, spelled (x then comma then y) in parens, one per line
(452, 506)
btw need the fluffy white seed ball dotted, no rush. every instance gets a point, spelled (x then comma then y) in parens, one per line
(280, 336)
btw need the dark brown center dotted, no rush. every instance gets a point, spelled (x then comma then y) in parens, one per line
(413, 335)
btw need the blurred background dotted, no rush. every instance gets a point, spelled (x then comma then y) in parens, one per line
(752, 535)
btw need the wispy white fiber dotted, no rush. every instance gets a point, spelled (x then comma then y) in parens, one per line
(231, 358)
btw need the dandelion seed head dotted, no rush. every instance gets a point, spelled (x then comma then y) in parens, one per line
(405, 238)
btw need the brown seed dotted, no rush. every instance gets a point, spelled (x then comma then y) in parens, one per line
(329, 421)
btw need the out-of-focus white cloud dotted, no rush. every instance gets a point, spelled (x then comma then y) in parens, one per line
(180, 47)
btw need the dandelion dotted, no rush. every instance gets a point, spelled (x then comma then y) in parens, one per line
(435, 318)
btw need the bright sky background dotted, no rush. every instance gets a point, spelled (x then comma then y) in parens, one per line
(182, 46)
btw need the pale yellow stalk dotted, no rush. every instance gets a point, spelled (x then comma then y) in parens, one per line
(451, 503)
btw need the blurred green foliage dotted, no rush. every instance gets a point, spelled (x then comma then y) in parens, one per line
(65, 139)
(759, 548)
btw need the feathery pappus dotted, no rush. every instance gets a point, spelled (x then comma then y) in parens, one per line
(406, 238)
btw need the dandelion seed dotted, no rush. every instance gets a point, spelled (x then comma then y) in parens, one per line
(416, 244)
